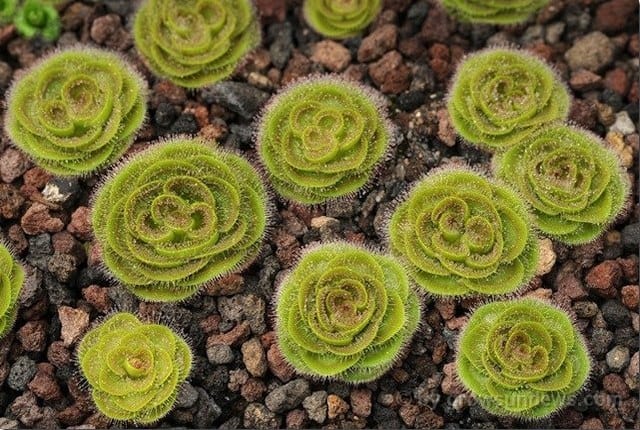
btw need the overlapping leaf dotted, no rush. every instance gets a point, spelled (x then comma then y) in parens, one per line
(345, 313)
(340, 19)
(134, 369)
(76, 111)
(177, 216)
(462, 234)
(37, 17)
(522, 358)
(501, 12)
(11, 281)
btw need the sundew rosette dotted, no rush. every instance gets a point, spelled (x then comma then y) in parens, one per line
(76, 111)
(321, 138)
(499, 96)
(11, 282)
(340, 19)
(134, 369)
(500, 12)
(575, 186)
(463, 234)
(177, 216)
(195, 43)
(345, 313)
(522, 358)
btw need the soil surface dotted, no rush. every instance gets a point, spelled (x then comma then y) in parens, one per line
(239, 378)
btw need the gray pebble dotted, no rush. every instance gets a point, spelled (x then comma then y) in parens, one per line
(287, 396)
(238, 97)
(257, 416)
(592, 52)
(618, 358)
(22, 371)
(615, 314)
(316, 406)
(244, 307)
(220, 354)
(207, 410)
(623, 124)
(187, 396)
(600, 341)
(554, 32)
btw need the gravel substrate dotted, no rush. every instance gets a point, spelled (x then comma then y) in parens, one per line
(239, 378)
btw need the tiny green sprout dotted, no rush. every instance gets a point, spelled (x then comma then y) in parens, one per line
(321, 138)
(195, 43)
(522, 358)
(575, 186)
(345, 313)
(178, 215)
(462, 234)
(7, 10)
(499, 96)
(134, 369)
(340, 19)
(11, 281)
(35, 17)
(76, 111)
(500, 12)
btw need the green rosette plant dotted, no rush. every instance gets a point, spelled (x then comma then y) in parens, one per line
(522, 358)
(321, 138)
(345, 313)
(76, 111)
(195, 43)
(500, 12)
(134, 369)
(340, 19)
(462, 234)
(499, 96)
(35, 17)
(11, 281)
(575, 186)
(7, 10)
(177, 216)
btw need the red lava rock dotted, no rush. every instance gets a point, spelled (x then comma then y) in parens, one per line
(332, 55)
(617, 81)
(13, 164)
(584, 113)
(296, 419)
(542, 50)
(568, 283)
(456, 323)
(10, 201)
(268, 339)
(272, 10)
(72, 415)
(550, 11)
(634, 93)
(254, 357)
(44, 384)
(379, 42)
(450, 384)
(605, 278)
(98, 297)
(440, 61)
(427, 419)
(58, 354)
(277, 364)
(297, 67)
(37, 219)
(585, 80)
(287, 247)
(438, 25)
(64, 243)
(446, 308)
(336, 406)
(629, 268)
(390, 74)
(73, 324)
(439, 350)
(253, 390)
(614, 384)
(592, 424)
(26, 409)
(412, 47)
(233, 337)
(225, 286)
(17, 239)
(37, 177)
(612, 17)
(360, 400)
(167, 92)
(631, 296)
(62, 266)
(408, 413)
(107, 30)
(94, 257)
(33, 336)
(75, 16)
(399, 375)
(633, 47)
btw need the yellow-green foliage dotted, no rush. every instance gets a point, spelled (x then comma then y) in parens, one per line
(499, 96)
(177, 216)
(195, 42)
(321, 138)
(340, 19)
(134, 369)
(574, 184)
(11, 281)
(522, 358)
(37, 17)
(463, 234)
(345, 313)
(499, 12)
(76, 111)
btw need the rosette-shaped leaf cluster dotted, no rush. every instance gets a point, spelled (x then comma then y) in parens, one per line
(36, 17)
(522, 358)
(177, 216)
(345, 313)
(340, 19)
(321, 138)
(76, 111)
(195, 43)
(134, 369)
(500, 12)
(11, 281)
(499, 96)
(575, 186)
(7, 10)
(462, 234)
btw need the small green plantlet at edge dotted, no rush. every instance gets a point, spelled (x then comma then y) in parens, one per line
(7, 10)
(177, 216)
(195, 43)
(76, 111)
(321, 138)
(340, 19)
(345, 313)
(575, 186)
(522, 358)
(35, 17)
(500, 12)
(462, 234)
(134, 369)
(11, 282)
(499, 96)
